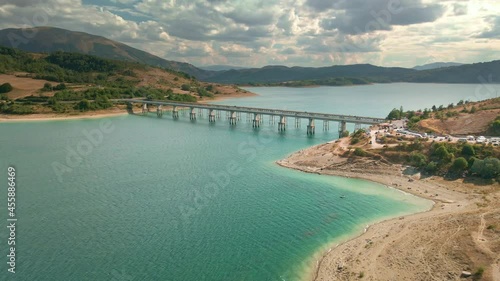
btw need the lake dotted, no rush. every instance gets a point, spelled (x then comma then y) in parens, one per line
(147, 198)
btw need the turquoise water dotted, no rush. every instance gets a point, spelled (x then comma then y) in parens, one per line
(157, 199)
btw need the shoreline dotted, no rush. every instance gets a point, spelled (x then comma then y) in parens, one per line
(4, 118)
(358, 234)
(112, 112)
(390, 240)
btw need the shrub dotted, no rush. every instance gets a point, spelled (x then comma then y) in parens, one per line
(185, 87)
(431, 167)
(488, 168)
(5, 88)
(460, 164)
(468, 150)
(47, 87)
(360, 152)
(83, 105)
(418, 159)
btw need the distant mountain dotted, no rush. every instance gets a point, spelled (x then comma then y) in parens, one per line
(221, 67)
(436, 65)
(477, 73)
(51, 39)
(278, 73)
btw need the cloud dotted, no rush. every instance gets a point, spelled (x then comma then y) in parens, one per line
(494, 30)
(365, 16)
(259, 32)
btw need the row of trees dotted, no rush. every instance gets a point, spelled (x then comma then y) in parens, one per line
(445, 158)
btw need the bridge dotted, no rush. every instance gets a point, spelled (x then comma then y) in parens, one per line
(256, 115)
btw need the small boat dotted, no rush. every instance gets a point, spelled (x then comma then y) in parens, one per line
(342, 196)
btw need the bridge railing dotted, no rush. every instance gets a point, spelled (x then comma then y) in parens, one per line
(266, 111)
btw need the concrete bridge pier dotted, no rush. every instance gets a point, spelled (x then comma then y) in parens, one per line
(159, 111)
(211, 115)
(256, 120)
(200, 112)
(192, 114)
(145, 108)
(217, 114)
(175, 113)
(297, 122)
(238, 116)
(311, 127)
(326, 125)
(271, 120)
(282, 124)
(232, 118)
(342, 127)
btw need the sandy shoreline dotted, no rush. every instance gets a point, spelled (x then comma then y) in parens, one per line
(101, 113)
(403, 248)
(51, 117)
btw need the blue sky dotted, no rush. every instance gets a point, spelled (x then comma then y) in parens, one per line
(285, 32)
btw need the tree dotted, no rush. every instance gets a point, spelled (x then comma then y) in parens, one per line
(395, 114)
(83, 105)
(488, 168)
(495, 126)
(434, 108)
(60, 87)
(460, 164)
(5, 88)
(418, 159)
(431, 167)
(473, 109)
(468, 150)
(47, 87)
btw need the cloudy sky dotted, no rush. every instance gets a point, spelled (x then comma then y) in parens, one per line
(285, 32)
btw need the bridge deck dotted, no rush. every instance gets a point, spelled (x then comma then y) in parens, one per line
(265, 111)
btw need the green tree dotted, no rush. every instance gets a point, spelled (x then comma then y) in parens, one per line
(5, 88)
(460, 164)
(473, 109)
(47, 87)
(60, 87)
(102, 102)
(488, 168)
(83, 105)
(418, 159)
(468, 150)
(431, 167)
(495, 126)
(395, 114)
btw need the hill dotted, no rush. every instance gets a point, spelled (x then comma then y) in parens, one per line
(51, 39)
(475, 118)
(76, 82)
(477, 73)
(436, 65)
(275, 74)
(220, 67)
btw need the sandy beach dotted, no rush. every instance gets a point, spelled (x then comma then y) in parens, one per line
(459, 234)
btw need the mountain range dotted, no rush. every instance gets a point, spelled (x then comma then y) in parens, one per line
(50, 39)
(436, 65)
